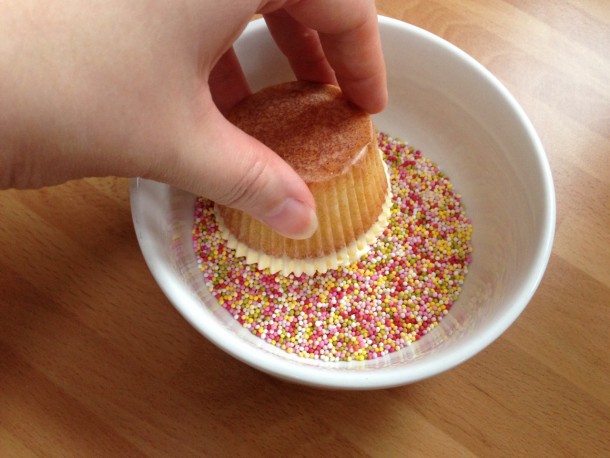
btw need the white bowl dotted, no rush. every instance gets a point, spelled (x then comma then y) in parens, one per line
(446, 104)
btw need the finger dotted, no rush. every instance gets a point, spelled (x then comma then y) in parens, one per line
(227, 82)
(301, 45)
(349, 35)
(224, 164)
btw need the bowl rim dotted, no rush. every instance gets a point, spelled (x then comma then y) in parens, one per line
(189, 306)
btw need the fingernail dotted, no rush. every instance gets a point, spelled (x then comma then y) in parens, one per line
(292, 219)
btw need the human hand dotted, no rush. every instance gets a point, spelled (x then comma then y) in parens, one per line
(138, 89)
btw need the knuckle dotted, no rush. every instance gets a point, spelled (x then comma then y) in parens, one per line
(247, 188)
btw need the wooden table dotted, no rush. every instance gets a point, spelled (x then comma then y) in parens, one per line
(94, 361)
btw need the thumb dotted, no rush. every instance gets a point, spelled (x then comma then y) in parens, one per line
(231, 168)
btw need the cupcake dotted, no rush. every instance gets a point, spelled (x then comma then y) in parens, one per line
(331, 144)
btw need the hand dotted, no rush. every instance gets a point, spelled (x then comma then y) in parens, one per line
(138, 88)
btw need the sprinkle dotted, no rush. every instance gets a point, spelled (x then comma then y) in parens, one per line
(398, 293)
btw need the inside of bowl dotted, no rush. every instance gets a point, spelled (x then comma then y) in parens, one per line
(446, 105)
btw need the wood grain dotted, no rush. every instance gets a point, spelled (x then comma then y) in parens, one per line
(94, 361)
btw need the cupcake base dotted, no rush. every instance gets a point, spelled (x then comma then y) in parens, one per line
(353, 209)
(286, 265)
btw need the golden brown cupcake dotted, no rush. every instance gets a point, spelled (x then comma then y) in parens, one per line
(332, 145)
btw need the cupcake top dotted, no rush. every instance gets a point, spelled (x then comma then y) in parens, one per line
(321, 133)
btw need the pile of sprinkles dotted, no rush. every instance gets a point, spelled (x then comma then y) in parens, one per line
(392, 297)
